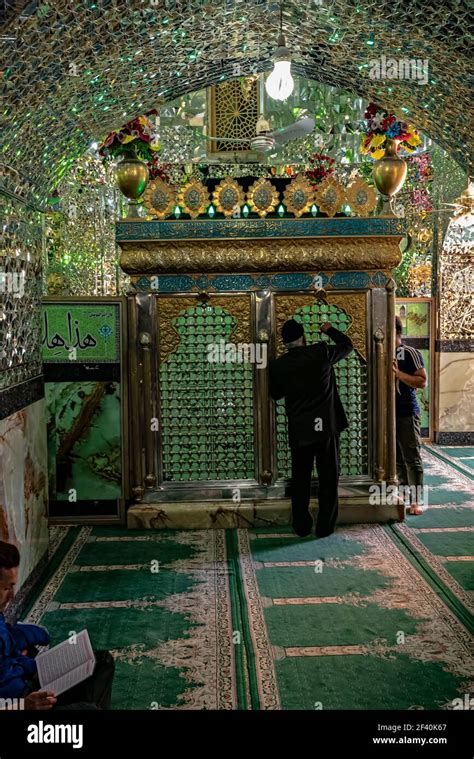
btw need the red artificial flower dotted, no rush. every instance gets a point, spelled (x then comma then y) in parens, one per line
(111, 137)
(372, 109)
(387, 122)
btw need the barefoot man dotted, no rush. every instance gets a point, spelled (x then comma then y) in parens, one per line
(410, 375)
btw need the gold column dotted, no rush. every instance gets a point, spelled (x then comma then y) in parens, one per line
(263, 405)
(150, 434)
(391, 467)
(380, 416)
(137, 488)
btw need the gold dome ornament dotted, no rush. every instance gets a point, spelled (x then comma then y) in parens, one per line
(193, 198)
(160, 198)
(262, 197)
(132, 178)
(361, 198)
(389, 174)
(329, 196)
(227, 196)
(299, 195)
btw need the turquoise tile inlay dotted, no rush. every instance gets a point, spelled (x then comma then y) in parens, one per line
(345, 280)
(171, 284)
(233, 282)
(142, 284)
(379, 279)
(262, 281)
(203, 282)
(208, 229)
(291, 281)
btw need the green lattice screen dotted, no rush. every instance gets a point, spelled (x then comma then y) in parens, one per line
(207, 408)
(351, 376)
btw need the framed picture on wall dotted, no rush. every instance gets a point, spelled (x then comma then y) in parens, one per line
(85, 390)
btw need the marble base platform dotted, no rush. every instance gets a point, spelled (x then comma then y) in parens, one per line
(225, 514)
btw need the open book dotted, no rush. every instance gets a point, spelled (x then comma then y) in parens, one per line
(67, 664)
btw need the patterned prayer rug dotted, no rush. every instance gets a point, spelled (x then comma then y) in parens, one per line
(373, 617)
(441, 540)
(348, 623)
(161, 603)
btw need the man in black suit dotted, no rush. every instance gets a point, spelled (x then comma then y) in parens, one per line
(304, 376)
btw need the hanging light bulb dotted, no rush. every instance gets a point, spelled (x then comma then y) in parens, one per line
(279, 84)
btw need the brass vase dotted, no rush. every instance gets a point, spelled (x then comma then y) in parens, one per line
(132, 178)
(389, 175)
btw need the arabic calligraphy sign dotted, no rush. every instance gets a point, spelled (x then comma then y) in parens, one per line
(81, 332)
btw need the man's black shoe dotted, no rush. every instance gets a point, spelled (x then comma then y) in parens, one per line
(303, 532)
(324, 534)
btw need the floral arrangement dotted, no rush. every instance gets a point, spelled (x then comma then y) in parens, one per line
(136, 137)
(322, 166)
(422, 164)
(422, 177)
(420, 199)
(382, 126)
(158, 170)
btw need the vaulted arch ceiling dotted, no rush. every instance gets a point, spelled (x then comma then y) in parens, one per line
(72, 70)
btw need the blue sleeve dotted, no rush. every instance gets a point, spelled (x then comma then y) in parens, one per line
(29, 635)
(420, 360)
(15, 671)
(14, 676)
(412, 359)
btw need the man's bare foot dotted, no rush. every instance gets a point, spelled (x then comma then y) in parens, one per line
(415, 510)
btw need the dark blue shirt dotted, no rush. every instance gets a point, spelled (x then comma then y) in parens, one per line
(15, 669)
(409, 360)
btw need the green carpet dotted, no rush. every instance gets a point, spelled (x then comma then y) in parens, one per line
(374, 617)
(170, 630)
(461, 459)
(349, 623)
(441, 540)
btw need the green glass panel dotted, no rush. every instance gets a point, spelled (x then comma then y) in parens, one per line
(207, 408)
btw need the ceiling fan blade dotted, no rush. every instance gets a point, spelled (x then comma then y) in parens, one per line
(300, 128)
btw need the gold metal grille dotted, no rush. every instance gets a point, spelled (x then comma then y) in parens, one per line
(233, 113)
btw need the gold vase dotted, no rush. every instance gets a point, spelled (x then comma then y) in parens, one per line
(132, 178)
(389, 174)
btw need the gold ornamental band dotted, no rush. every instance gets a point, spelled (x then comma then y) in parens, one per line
(189, 256)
